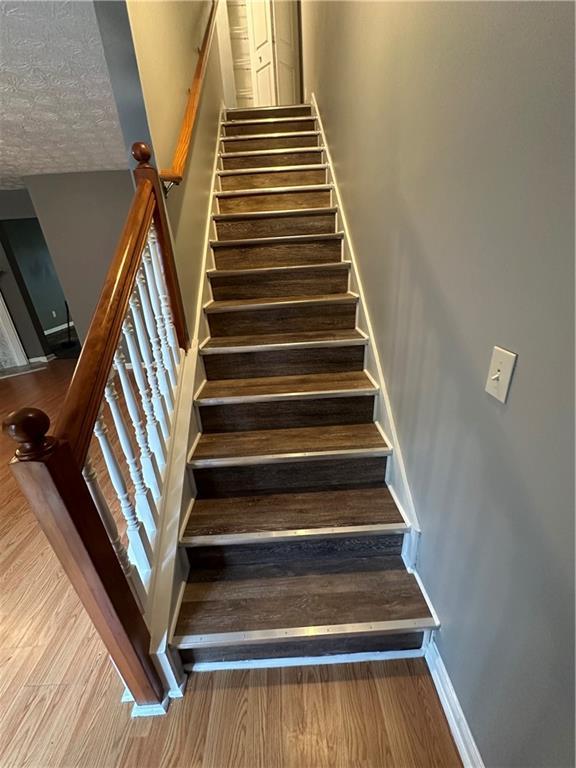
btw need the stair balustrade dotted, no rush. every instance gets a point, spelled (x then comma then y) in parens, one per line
(100, 473)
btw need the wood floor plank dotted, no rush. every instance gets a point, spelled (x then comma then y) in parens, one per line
(272, 339)
(277, 600)
(286, 511)
(287, 441)
(282, 385)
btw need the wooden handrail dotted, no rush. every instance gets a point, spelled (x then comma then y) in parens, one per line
(175, 173)
(84, 396)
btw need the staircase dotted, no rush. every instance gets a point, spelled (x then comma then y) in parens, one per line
(294, 540)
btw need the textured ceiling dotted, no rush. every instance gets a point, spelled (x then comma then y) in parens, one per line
(57, 111)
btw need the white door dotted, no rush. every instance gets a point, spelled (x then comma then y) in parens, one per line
(275, 51)
(262, 50)
(12, 352)
(287, 51)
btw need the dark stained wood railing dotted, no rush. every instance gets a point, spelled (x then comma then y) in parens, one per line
(49, 468)
(175, 173)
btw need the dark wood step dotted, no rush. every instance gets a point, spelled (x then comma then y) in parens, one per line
(241, 226)
(288, 314)
(268, 125)
(267, 178)
(319, 648)
(270, 141)
(306, 444)
(270, 552)
(332, 474)
(272, 157)
(280, 402)
(345, 597)
(277, 251)
(275, 199)
(310, 280)
(283, 354)
(250, 113)
(286, 516)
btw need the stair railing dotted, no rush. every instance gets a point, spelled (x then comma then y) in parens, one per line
(122, 393)
(175, 173)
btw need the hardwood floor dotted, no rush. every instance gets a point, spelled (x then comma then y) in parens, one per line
(60, 697)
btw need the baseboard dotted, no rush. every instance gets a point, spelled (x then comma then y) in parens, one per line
(459, 727)
(56, 328)
(307, 661)
(42, 359)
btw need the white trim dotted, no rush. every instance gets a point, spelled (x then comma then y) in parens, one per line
(11, 335)
(56, 328)
(169, 569)
(461, 733)
(398, 460)
(150, 710)
(306, 661)
(41, 359)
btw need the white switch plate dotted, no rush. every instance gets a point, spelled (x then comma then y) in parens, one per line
(500, 373)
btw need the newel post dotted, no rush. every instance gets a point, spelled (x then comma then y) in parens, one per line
(141, 153)
(59, 497)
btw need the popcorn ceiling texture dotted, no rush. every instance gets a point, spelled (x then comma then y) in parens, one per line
(57, 110)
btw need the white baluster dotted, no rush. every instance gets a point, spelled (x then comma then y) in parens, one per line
(150, 469)
(163, 293)
(132, 575)
(149, 367)
(167, 358)
(151, 327)
(153, 427)
(139, 548)
(144, 502)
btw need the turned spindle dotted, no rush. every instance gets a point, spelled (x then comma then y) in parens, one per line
(28, 428)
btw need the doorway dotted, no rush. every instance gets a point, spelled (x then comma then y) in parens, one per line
(266, 51)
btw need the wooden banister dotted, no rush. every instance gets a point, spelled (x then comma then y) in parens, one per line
(49, 477)
(86, 389)
(175, 173)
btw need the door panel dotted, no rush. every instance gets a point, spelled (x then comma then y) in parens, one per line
(260, 18)
(287, 50)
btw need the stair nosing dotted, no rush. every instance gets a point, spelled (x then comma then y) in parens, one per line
(327, 265)
(269, 120)
(278, 135)
(280, 239)
(253, 637)
(292, 534)
(264, 109)
(362, 341)
(274, 190)
(319, 394)
(273, 169)
(271, 152)
(341, 298)
(284, 213)
(283, 458)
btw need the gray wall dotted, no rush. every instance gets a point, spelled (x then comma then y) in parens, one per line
(32, 258)
(82, 216)
(451, 127)
(15, 204)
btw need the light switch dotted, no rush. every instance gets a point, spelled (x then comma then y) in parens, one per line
(500, 373)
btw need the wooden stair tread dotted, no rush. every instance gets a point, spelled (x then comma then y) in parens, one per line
(296, 596)
(280, 239)
(268, 387)
(289, 442)
(280, 339)
(239, 304)
(292, 511)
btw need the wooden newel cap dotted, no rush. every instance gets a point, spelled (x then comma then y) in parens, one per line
(141, 152)
(28, 427)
